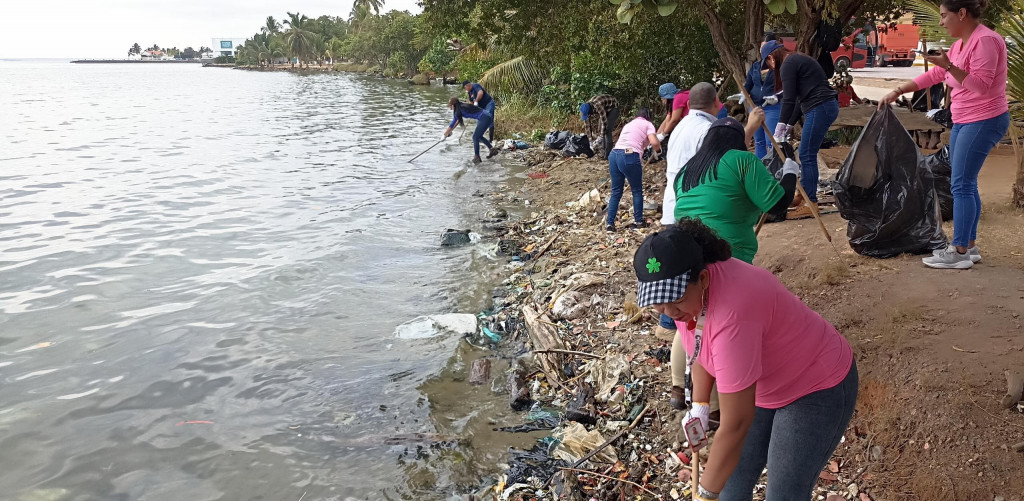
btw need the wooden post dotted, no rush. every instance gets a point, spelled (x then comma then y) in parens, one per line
(928, 91)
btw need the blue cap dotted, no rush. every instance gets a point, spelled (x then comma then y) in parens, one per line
(585, 111)
(768, 48)
(668, 91)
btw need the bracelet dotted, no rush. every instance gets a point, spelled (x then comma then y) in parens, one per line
(706, 494)
(899, 90)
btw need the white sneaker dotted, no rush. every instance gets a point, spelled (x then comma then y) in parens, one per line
(974, 252)
(949, 259)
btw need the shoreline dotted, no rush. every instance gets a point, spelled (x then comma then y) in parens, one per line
(895, 339)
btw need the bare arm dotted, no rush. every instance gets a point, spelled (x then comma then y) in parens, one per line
(737, 417)
(702, 383)
(754, 120)
(653, 138)
(672, 121)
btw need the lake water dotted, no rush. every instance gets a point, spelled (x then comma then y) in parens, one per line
(201, 273)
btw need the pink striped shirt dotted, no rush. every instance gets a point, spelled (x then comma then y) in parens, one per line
(982, 95)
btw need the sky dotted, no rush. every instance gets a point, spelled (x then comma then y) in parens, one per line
(108, 28)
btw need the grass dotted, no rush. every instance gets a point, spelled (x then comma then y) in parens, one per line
(522, 115)
(351, 67)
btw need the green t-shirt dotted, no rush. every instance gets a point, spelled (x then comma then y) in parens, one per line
(731, 204)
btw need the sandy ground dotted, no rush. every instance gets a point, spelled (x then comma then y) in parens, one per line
(931, 345)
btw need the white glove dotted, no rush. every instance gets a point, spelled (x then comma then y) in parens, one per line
(661, 137)
(782, 132)
(476, 103)
(771, 100)
(739, 97)
(790, 167)
(699, 411)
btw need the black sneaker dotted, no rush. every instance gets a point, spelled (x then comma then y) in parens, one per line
(610, 228)
(639, 225)
(477, 160)
(494, 151)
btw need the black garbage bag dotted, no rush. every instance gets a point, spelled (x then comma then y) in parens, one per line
(944, 117)
(887, 194)
(556, 140)
(942, 172)
(774, 163)
(578, 144)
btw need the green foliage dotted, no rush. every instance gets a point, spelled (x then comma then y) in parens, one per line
(1013, 28)
(438, 58)
(224, 60)
(474, 62)
(515, 76)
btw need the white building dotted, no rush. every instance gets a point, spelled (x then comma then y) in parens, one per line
(226, 46)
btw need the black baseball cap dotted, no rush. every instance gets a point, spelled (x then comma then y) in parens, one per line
(664, 264)
(729, 122)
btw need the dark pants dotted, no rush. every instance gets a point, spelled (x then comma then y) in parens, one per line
(622, 168)
(969, 146)
(490, 109)
(482, 124)
(816, 123)
(795, 442)
(609, 128)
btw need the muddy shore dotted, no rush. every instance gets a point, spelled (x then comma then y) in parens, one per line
(932, 347)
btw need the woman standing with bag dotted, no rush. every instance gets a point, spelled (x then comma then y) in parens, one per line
(786, 378)
(976, 70)
(624, 165)
(803, 83)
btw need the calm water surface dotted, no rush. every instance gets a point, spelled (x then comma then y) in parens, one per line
(201, 272)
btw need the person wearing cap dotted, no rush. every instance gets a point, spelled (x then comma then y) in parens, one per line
(624, 165)
(676, 107)
(462, 111)
(787, 379)
(479, 97)
(803, 83)
(600, 116)
(760, 84)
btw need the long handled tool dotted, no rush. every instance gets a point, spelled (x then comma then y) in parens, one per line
(428, 149)
(697, 438)
(799, 187)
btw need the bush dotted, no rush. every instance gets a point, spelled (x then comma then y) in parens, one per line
(373, 69)
(472, 63)
(224, 60)
(351, 67)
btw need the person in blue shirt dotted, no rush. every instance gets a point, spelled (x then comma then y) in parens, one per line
(479, 97)
(760, 85)
(483, 119)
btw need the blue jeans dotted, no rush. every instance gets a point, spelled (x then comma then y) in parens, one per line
(816, 123)
(622, 168)
(795, 442)
(490, 109)
(771, 118)
(969, 146)
(483, 123)
(667, 322)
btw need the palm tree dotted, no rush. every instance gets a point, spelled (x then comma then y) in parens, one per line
(358, 16)
(515, 76)
(271, 27)
(136, 49)
(369, 4)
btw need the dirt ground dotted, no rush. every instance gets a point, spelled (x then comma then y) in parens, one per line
(931, 345)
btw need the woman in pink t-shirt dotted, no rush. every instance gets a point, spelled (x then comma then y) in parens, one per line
(787, 381)
(975, 69)
(624, 165)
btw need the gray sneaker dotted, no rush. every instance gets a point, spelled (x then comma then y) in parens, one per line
(974, 252)
(949, 259)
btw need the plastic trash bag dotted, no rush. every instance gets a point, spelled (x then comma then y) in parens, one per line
(576, 145)
(887, 193)
(576, 442)
(556, 140)
(942, 171)
(774, 163)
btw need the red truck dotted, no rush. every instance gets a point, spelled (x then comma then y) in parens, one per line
(847, 56)
(896, 45)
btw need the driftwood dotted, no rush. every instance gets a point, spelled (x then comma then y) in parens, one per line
(518, 392)
(544, 336)
(480, 372)
(580, 409)
(1014, 389)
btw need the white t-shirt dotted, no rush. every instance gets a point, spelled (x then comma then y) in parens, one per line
(682, 146)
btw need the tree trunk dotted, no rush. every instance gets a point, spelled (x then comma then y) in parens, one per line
(1018, 187)
(720, 38)
(754, 31)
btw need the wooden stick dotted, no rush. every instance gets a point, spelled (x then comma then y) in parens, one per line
(426, 150)
(778, 150)
(695, 473)
(610, 440)
(928, 91)
(634, 484)
(570, 352)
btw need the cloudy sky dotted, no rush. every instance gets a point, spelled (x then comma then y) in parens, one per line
(107, 28)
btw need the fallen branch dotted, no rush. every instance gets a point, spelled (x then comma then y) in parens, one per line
(544, 248)
(610, 440)
(571, 352)
(634, 484)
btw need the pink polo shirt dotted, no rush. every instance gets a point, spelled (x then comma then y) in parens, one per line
(756, 331)
(982, 95)
(634, 135)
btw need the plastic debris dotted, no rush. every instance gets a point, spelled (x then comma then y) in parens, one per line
(577, 442)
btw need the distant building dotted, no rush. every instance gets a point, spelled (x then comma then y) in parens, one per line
(226, 46)
(153, 55)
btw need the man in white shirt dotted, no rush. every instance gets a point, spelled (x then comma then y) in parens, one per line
(688, 136)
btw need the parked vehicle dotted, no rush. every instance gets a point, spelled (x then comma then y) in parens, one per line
(896, 45)
(847, 56)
